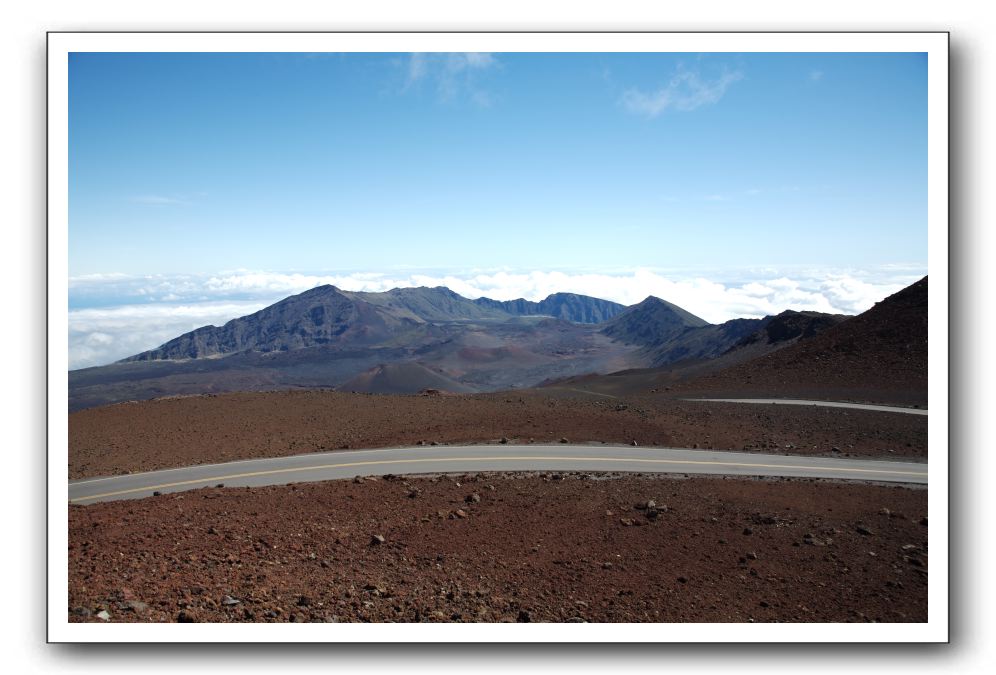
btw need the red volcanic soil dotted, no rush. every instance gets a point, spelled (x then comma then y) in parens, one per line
(490, 548)
(401, 378)
(190, 430)
(879, 356)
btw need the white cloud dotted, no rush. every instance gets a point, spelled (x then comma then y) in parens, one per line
(454, 75)
(98, 336)
(149, 310)
(816, 75)
(685, 91)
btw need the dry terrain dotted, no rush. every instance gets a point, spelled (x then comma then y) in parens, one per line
(492, 547)
(182, 431)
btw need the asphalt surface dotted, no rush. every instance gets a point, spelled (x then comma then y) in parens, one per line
(825, 404)
(474, 458)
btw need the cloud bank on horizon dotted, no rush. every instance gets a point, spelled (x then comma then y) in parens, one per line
(113, 316)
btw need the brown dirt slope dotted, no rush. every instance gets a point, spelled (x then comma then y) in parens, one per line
(879, 355)
(181, 431)
(401, 378)
(526, 548)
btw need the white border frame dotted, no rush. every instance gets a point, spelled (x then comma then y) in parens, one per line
(61, 44)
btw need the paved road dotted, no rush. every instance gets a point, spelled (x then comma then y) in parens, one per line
(472, 458)
(825, 404)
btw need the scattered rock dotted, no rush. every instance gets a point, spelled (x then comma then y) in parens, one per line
(156, 493)
(103, 615)
(682, 580)
(747, 530)
(524, 616)
(459, 513)
(137, 606)
(229, 601)
(633, 443)
(861, 529)
(472, 498)
(186, 616)
(751, 555)
(563, 440)
(626, 522)
(304, 601)
(503, 440)
(377, 540)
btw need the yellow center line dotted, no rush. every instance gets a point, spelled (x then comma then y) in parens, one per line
(213, 479)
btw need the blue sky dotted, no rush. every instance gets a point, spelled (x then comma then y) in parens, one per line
(203, 162)
(220, 178)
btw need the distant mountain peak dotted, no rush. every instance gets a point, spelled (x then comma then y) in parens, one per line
(566, 306)
(651, 323)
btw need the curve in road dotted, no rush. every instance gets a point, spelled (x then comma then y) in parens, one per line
(825, 404)
(474, 458)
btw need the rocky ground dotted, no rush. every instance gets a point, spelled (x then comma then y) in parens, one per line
(501, 547)
(173, 432)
